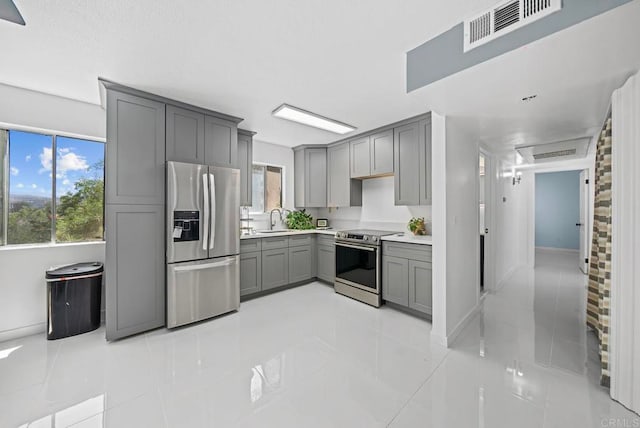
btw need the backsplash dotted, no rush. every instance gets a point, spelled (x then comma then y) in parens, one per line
(377, 211)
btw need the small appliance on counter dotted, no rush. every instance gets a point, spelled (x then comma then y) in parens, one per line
(322, 224)
(358, 264)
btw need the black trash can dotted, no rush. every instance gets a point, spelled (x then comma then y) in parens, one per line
(73, 299)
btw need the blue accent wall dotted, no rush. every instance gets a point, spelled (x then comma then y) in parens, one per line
(558, 209)
(444, 55)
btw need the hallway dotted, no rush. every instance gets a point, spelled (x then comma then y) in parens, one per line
(527, 361)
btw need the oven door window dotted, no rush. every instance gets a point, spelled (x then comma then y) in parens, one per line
(357, 266)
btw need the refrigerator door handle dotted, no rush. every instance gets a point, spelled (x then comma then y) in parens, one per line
(205, 220)
(204, 266)
(213, 212)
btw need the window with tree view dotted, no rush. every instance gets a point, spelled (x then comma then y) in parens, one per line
(46, 197)
(267, 188)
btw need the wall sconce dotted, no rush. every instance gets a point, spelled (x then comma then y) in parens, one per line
(517, 178)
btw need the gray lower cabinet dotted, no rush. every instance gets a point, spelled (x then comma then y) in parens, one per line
(407, 275)
(135, 150)
(310, 171)
(300, 264)
(185, 135)
(342, 190)
(220, 142)
(395, 279)
(275, 268)
(245, 163)
(250, 273)
(134, 269)
(420, 286)
(326, 257)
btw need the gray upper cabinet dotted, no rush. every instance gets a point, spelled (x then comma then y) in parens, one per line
(342, 191)
(185, 135)
(245, 163)
(134, 269)
(310, 172)
(135, 152)
(360, 157)
(425, 162)
(220, 142)
(382, 153)
(412, 163)
(406, 161)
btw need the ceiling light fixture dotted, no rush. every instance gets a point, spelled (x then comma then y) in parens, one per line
(308, 118)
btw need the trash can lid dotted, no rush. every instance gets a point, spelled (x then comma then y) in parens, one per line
(76, 269)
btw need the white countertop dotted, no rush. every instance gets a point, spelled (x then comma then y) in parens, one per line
(410, 239)
(330, 232)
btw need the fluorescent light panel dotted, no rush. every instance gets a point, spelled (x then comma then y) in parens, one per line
(304, 117)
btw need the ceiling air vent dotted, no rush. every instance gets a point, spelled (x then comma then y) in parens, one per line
(504, 18)
(557, 154)
(506, 15)
(576, 148)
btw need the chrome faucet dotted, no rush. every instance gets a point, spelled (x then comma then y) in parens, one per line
(271, 222)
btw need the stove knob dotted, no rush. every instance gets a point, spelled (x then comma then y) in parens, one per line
(374, 239)
(365, 238)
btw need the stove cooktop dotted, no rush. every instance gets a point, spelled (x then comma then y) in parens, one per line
(364, 235)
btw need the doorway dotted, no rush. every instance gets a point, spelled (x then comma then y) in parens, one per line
(562, 214)
(485, 212)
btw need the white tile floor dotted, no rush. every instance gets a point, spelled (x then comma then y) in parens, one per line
(310, 358)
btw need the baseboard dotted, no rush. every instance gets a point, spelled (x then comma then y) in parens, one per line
(275, 290)
(447, 341)
(558, 250)
(506, 276)
(451, 337)
(23, 331)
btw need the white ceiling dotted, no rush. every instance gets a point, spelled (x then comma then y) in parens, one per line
(341, 59)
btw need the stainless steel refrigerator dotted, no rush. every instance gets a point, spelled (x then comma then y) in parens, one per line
(203, 242)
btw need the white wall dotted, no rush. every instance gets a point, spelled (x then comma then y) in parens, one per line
(456, 241)
(43, 112)
(23, 306)
(378, 209)
(624, 341)
(22, 287)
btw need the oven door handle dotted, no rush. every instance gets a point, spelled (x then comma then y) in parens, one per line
(357, 247)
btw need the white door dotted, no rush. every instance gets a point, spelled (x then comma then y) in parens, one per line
(583, 261)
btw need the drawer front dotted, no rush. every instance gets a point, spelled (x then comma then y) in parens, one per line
(408, 251)
(326, 240)
(250, 245)
(275, 242)
(299, 240)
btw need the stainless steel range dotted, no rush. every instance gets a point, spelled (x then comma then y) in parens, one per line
(358, 264)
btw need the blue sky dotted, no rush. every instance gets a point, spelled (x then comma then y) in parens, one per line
(30, 163)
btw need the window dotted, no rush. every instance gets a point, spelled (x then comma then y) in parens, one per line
(267, 188)
(46, 198)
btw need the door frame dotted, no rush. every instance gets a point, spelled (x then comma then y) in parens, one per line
(529, 176)
(490, 184)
